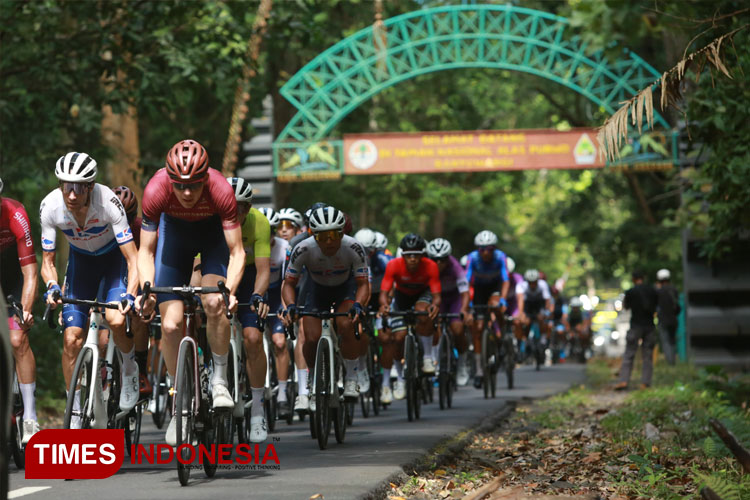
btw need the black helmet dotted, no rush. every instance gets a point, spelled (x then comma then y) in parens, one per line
(412, 242)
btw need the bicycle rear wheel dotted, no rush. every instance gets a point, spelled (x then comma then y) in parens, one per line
(16, 432)
(510, 358)
(185, 390)
(341, 416)
(486, 372)
(160, 393)
(271, 402)
(410, 355)
(132, 425)
(81, 381)
(322, 393)
(443, 372)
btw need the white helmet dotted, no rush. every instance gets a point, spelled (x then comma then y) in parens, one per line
(326, 219)
(1, 186)
(271, 215)
(439, 248)
(399, 252)
(381, 242)
(485, 239)
(511, 264)
(576, 302)
(531, 275)
(366, 237)
(76, 167)
(292, 215)
(243, 190)
(464, 260)
(663, 275)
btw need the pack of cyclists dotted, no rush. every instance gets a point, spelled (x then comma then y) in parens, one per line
(198, 225)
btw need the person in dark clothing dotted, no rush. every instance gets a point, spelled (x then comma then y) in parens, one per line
(641, 300)
(668, 307)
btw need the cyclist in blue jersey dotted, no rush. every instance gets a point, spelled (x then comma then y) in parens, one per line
(487, 272)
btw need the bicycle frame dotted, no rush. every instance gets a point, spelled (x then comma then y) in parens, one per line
(98, 396)
(328, 333)
(235, 341)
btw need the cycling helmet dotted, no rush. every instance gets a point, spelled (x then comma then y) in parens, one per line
(381, 242)
(366, 238)
(243, 190)
(1, 186)
(314, 207)
(485, 239)
(576, 302)
(663, 275)
(348, 226)
(76, 167)
(187, 162)
(271, 215)
(412, 243)
(439, 248)
(326, 219)
(464, 260)
(128, 199)
(531, 275)
(292, 215)
(511, 264)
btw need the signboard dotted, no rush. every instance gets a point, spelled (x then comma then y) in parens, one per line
(473, 151)
(307, 161)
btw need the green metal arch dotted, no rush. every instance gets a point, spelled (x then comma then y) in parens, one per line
(344, 76)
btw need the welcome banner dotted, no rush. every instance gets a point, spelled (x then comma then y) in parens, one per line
(474, 151)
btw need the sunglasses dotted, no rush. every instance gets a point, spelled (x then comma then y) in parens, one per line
(332, 235)
(412, 254)
(441, 259)
(486, 249)
(77, 187)
(287, 224)
(193, 186)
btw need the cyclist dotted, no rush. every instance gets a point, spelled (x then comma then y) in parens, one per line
(415, 282)
(137, 325)
(454, 296)
(579, 323)
(18, 278)
(290, 223)
(537, 301)
(559, 318)
(194, 209)
(487, 272)
(515, 305)
(256, 236)
(337, 277)
(93, 221)
(278, 337)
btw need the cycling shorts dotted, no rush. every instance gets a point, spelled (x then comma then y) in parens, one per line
(89, 277)
(322, 298)
(450, 303)
(11, 280)
(404, 302)
(248, 318)
(274, 304)
(483, 293)
(179, 242)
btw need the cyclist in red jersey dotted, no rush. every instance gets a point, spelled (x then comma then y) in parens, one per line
(18, 277)
(194, 208)
(411, 280)
(137, 325)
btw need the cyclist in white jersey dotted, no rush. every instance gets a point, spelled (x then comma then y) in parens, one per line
(338, 276)
(102, 261)
(278, 336)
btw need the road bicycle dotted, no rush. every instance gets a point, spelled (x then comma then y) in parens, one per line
(447, 362)
(497, 353)
(197, 421)
(15, 441)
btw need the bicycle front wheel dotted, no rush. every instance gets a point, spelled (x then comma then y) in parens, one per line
(322, 393)
(185, 397)
(77, 403)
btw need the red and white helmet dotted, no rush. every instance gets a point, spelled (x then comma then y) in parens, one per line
(187, 162)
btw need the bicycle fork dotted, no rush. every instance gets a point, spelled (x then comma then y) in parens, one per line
(326, 333)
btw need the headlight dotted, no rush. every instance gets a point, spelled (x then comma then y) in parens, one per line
(599, 341)
(615, 335)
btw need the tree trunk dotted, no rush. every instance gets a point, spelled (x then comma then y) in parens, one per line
(120, 134)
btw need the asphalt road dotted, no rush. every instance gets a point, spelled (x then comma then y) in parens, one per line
(375, 449)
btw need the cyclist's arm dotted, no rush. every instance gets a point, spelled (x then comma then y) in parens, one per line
(29, 286)
(386, 284)
(146, 255)
(363, 291)
(504, 289)
(49, 271)
(288, 293)
(465, 299)
(236, 264)
(519, 300)
(434, 284)
(130, 252)
(263, 274)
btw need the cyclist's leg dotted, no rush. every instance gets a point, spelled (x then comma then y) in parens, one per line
(426, 332)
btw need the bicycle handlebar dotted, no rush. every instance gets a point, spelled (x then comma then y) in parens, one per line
(17, 309)
(187, 292)
(90, 303)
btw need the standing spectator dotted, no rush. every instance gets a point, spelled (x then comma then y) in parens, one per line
(641, 300)
(668, 308)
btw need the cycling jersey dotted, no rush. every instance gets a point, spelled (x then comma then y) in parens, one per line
(378, 262)
(561, 307)
(533, 300)
(106, 223)
(453, 279)
(426, 276)
(135, 227)
(479, 272)
(348, 261)
(217, 198)
(278, 257)
(15, 231)
(256, 236)
(576, 316)
(512, 300)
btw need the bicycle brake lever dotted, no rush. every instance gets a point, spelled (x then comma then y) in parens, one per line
(128, 331)
(224, 295)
